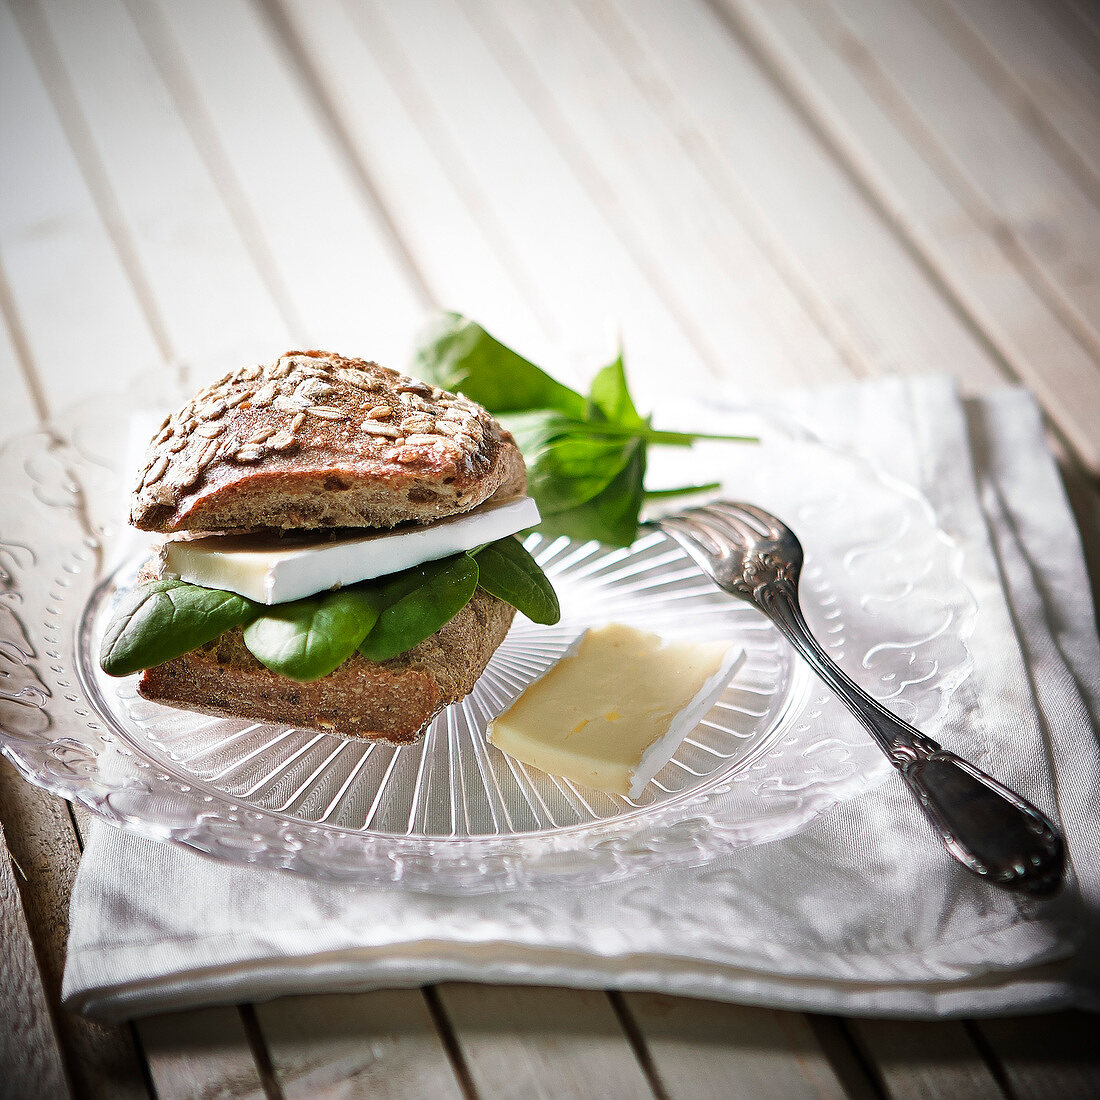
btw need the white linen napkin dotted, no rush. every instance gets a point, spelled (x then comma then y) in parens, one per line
(861, 913)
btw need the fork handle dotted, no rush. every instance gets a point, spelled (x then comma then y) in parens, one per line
(988, 828)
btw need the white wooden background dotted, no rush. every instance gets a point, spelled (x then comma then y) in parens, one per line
(771, 192)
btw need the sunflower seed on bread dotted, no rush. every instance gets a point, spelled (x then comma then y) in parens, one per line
(288, 460)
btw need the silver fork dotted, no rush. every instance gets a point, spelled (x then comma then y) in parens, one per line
(987, 827)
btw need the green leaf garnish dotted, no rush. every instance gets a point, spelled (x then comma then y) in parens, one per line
(682, 490)
(417, 602)
(160, 621)
(612, 515)
(459, 355)
(507, 571)
(309, 638)
(610, 398)
(586, 457)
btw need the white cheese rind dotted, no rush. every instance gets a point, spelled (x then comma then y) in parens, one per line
(613, 710)
(274, 569)
(662, 751)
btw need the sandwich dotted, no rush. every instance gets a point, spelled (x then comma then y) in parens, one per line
(338, 551)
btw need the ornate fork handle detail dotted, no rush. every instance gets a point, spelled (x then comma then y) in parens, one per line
(987, 827)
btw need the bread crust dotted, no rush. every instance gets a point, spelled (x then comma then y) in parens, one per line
(389, 701)
(316, 440)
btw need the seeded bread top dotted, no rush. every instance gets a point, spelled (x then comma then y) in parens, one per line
(315, 440)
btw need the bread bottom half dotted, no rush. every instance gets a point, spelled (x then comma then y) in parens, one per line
(385, 701)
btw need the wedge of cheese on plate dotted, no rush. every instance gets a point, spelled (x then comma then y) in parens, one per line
(612, 712)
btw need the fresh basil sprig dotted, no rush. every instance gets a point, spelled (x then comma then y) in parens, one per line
(506, 570)
(165, 619)
(586, 456)
(462, 357)
(309, 638)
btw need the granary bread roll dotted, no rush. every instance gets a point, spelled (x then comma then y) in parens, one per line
(315, 440)
(388, 701)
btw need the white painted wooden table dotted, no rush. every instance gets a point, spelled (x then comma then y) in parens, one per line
(774, 192)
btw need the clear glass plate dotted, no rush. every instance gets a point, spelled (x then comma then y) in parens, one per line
(882, 590)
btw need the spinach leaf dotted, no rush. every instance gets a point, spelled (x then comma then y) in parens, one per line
(165, 619)
(611, 516)
(417, 602)
(507, 571)
(309, 638)
(461, 356)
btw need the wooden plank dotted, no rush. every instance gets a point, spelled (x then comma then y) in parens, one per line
(81, 320)
(701, 1049)
(102, 1059)
(30, 1056)
(917, 1060)
(719, 278)
(217, 298)
(1082, 22)
(568, 261)
(357, 1044)
(203, 1053)
(541, 1042)
(1038, 69)
(415, 175)
(1045, 1056)
(990, 157)
(804, 50)
(21, 407)
(879, 301)
(345, 276)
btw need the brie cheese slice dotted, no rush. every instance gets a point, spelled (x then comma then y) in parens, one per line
(612, 712)
(274, 569)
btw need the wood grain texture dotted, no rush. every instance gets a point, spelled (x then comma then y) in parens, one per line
(1038, 68)
(450, 233)
(708, 265)
(189, 194)
(356, 1044)
(878, 302)
(988, 154)
(22, 411)
(200, 1055)
(57, 254)
(342, 280)
(925, 1061)
(703, 1049)
(1045, 1056)
(496, 159)
(527, 1041)
(102, 1059)
(810, 52)
(31, 1065)
(209, 286)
